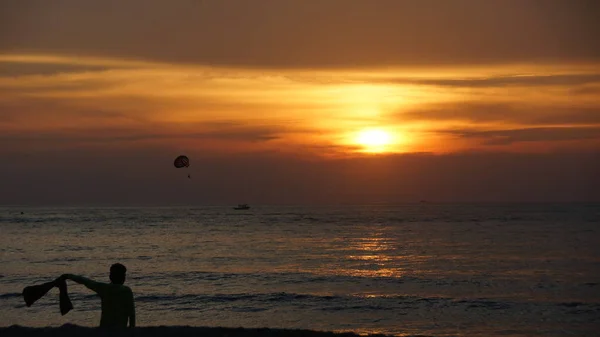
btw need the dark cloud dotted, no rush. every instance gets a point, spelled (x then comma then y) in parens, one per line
(14, 69)
(591, 90)
(57, 136)
(505, 81)
(333, 33)
(504, 137)
(28, 110)
(528, 114)
(55, 88)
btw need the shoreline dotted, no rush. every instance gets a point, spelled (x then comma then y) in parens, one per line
(68, 330)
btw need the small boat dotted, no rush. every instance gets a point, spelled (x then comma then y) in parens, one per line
(241, 206)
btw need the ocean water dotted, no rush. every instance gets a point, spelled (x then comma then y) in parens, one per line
(421, 269)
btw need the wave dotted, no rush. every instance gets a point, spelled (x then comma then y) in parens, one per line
(221, 298)
(359, 304)
(286, 281)
(10, 295)
(356, 302)
(279, 277)
(303, 278)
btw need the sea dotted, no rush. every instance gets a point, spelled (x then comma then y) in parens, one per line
(406, 270)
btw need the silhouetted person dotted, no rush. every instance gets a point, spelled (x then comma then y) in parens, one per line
(117, 299)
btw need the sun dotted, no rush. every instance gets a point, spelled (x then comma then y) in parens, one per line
(374, 140)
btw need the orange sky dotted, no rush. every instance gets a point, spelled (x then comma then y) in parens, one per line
(323, 112)
(313, 81)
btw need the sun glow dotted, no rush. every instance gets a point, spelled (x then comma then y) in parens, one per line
(374, 140)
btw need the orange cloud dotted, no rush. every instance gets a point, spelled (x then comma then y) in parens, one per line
(102, 101)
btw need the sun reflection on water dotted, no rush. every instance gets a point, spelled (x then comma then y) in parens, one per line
(374, 256)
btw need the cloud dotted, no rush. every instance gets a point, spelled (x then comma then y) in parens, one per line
(29, 114)
(591, 90)
(502, 81)
(504, 137)
(15, 69)
(151, 132)
(522, 113)
(333, 33)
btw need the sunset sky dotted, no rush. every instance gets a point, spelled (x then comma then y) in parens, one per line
(299, 102)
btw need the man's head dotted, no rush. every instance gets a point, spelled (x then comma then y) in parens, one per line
(117, 273)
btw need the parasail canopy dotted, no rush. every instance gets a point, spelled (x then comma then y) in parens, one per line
(181, 161)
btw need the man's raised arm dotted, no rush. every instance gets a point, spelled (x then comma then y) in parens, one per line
(90, 284)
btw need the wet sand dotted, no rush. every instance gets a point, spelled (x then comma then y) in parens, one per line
(68, 330)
